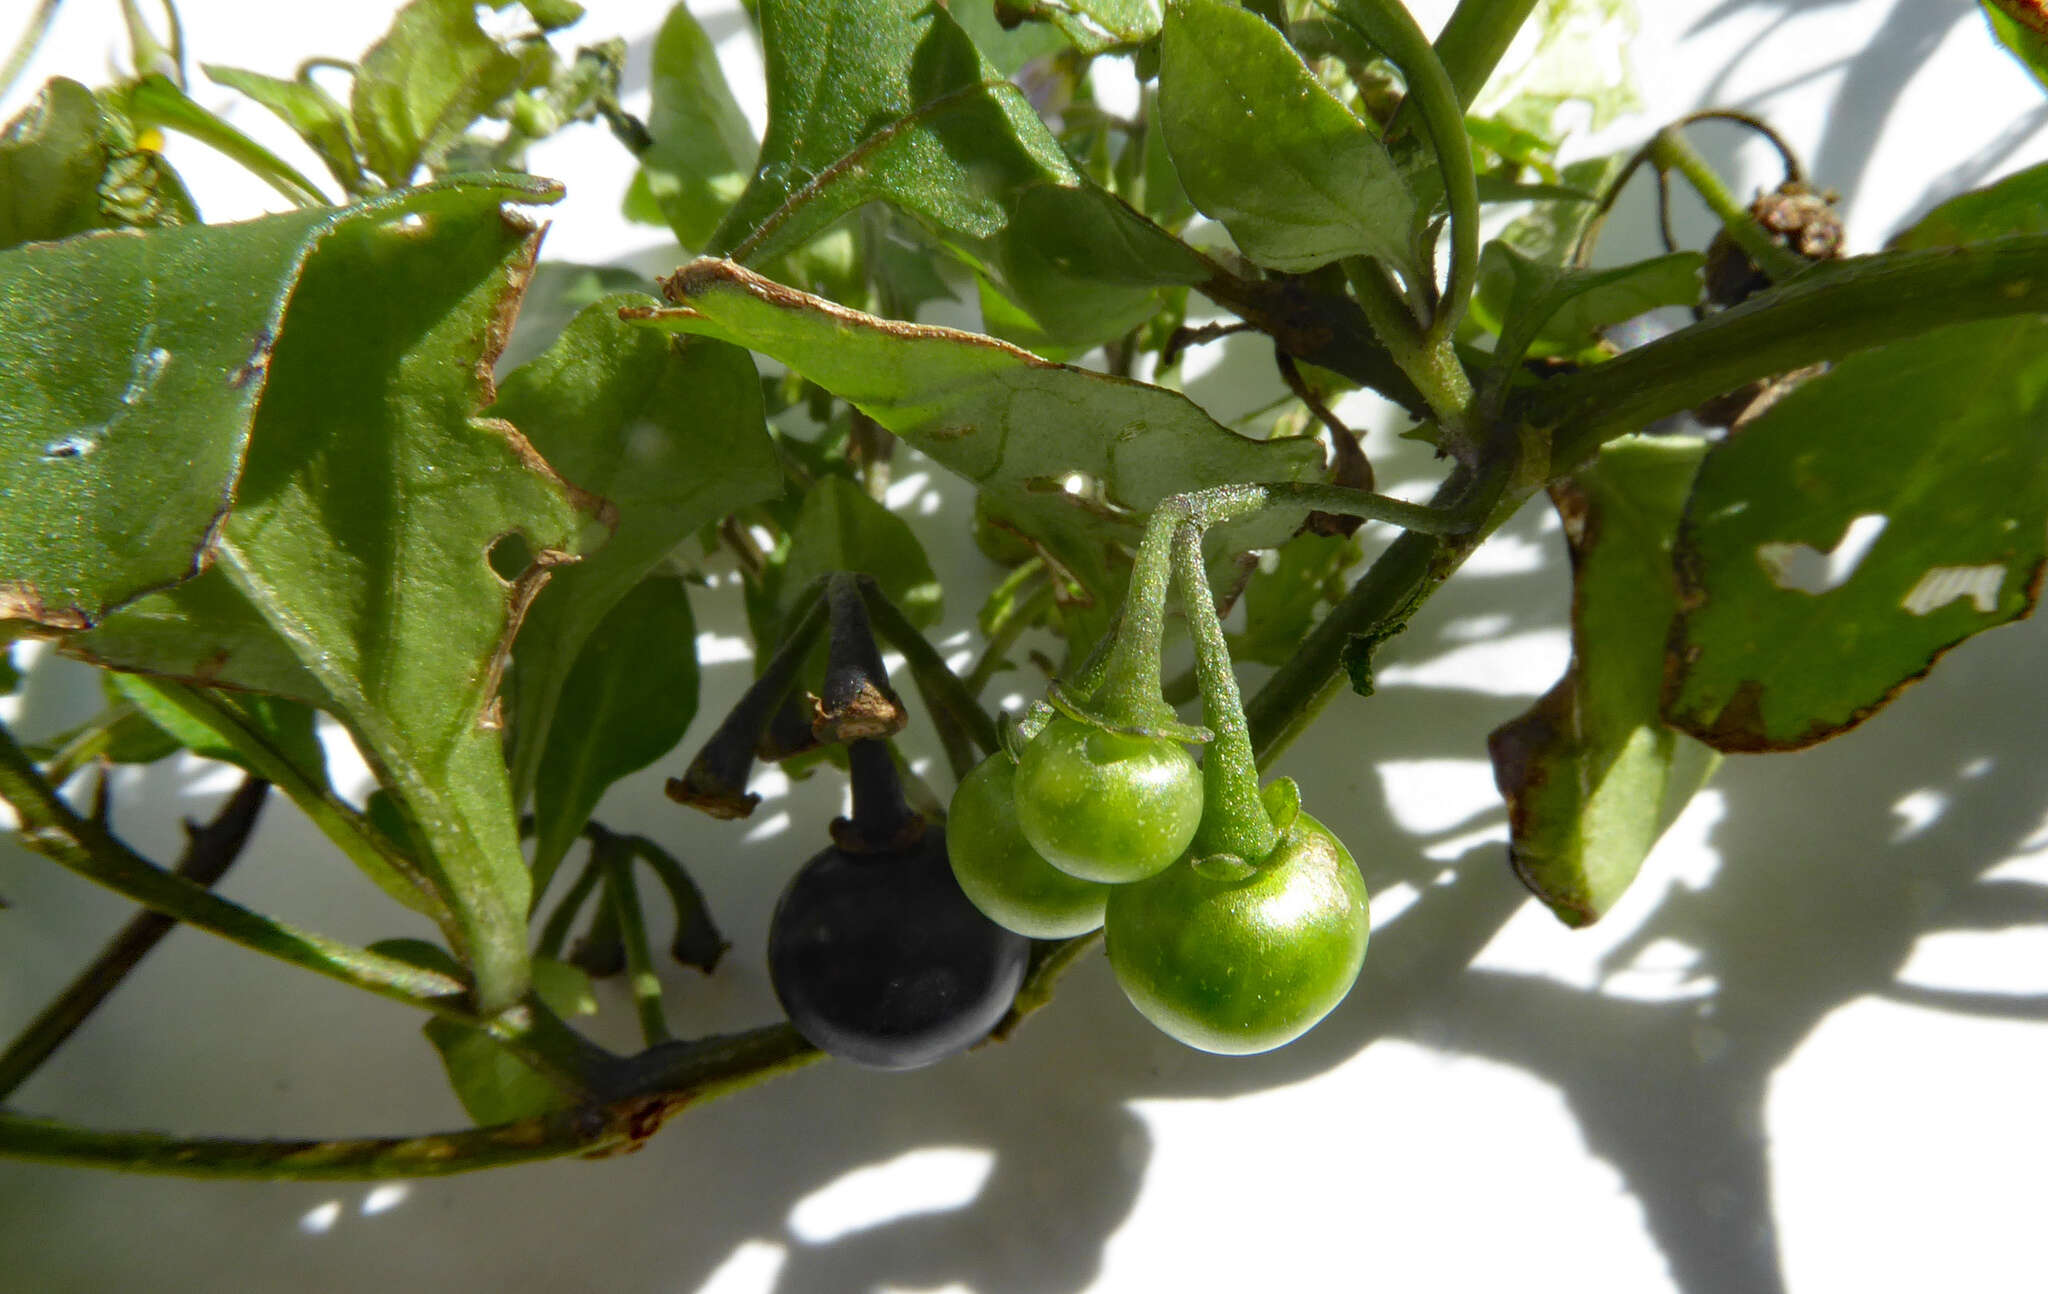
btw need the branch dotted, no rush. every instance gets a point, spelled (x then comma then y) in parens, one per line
(211, 850)
(1825, 314)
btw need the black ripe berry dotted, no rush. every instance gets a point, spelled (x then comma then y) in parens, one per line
(880, 959)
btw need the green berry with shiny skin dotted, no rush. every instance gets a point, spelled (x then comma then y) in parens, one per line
(1106, 806)
(999, 870)
(1244, 963)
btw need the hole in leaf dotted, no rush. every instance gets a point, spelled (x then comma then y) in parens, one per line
(511, 555)
(1944, 584)
(1800, 568)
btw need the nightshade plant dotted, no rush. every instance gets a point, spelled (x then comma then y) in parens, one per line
(260, 472)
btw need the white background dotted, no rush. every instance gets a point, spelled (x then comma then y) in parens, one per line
(1802, 1054)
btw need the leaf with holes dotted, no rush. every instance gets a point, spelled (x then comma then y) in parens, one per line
(130, 373)
(1020, 427)
(1781, 647)
(354, 573)
(1591, 774)
(672, 436)
(1264, 147)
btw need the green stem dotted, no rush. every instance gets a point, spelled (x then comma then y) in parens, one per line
(663, 1081)
(1012, 627)
(1434, 95)
(1473, 40)
(1670, 151)
(210, 851)
(1833, 312)
(1431, 362)
(1129, 695)
(25, 47)
(157, 101)
(555, 934)
(1234, 820)
(624, 897)
(50, 828)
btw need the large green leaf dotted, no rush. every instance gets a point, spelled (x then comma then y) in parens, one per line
(1021, 428)
(361, 536)
(421, 85)
(1590, 773)
(130, 371)
(672, 437)
(626, 702)
(1941, 437)
(703, 149)
(671, 434)
(1264, 147)
(51, 160)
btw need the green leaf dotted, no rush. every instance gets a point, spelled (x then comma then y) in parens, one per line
(672, 435)
(1591, 775)
(131, 367)
(1578, 53)
(1019, 427)
(893, 102)
(553, 15)
(51, 160)
(2022, 26)
(2017, 204)
(626, 702)
(493, 1085)
(1282, 604)
(1262, 146)
(361, 537)
(841, 529)
(703, 150)
(555, 295)
(1552, 311)
(1939, 436)
(119, 734)
(421, 85)
(314, 115)
(273, 738)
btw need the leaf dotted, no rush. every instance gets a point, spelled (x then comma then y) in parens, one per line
(1591, 775)
(1780, 646)
(493, 1085)
(2017, 204)
(156, 101)
(1017, 426)
(361, 536)
(421, 85)
(555, 295)
(1282, 604)
(314, 115)
(626, 702)
(131, 369)
(51, 160)
(273, 737)
(2022, 26)
(673, 436)
(703, 150)
(841, 529)
(1262, 146)
(889, 100)
(1552, 311)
